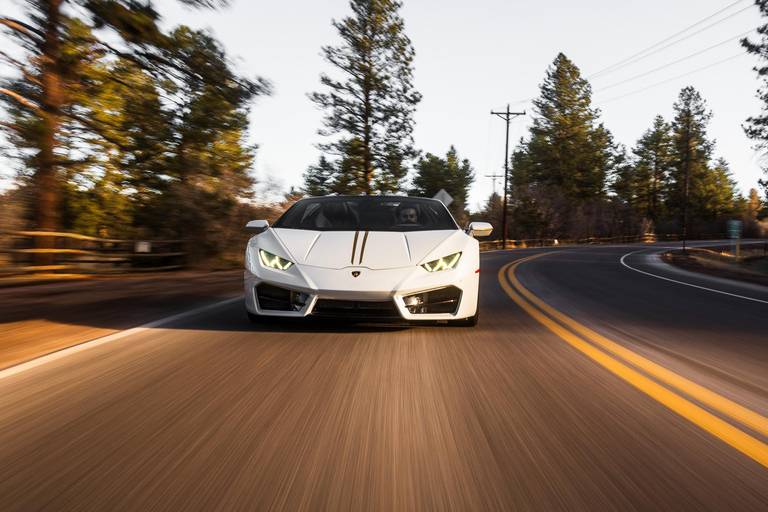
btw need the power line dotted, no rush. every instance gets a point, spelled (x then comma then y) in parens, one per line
(670, 44)
(671, 79)
(675, 62)
(520, 102)
(632, 58)
(622, 64)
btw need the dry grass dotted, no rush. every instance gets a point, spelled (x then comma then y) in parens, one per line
(751, 266)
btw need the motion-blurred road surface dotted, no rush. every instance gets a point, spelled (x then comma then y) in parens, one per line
(595, 380)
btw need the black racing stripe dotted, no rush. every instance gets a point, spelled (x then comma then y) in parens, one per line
(354, 246)
(362, 249)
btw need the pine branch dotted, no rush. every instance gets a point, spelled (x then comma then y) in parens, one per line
(148, 61)
(21, 99)
(15, 127)
(27, 74)
(31, 32)
(132, 58)
(89, 160)
(96, 129)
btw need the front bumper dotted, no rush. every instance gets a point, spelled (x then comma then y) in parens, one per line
(373, 294)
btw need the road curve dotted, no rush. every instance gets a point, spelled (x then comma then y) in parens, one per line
(208, 412)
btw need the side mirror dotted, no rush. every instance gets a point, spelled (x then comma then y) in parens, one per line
(476, 229)
(257, 226)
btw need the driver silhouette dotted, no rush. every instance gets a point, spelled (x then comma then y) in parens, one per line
(408, 215)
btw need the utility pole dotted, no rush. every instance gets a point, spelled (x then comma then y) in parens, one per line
(493, 179)
(506, 116)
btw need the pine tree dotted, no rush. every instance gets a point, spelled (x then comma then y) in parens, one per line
(493, 212)
(451, 173)
(754, 205)
(329, 177)
(757, 126)
(564, 164)
(651, 170)
(208, 160)
(60, 53)
(319, 179)
(715, 195)
(691, 153)
(568, 150)
(160, 158)
(369, 111)
(51, 79)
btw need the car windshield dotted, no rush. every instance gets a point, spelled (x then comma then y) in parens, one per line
(365, 213)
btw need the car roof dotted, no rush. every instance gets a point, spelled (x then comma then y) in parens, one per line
(368, 198)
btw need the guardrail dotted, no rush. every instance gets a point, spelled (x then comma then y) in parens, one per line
(21, 253)
(550, 242)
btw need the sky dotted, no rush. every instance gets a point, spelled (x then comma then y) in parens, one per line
(474, 57)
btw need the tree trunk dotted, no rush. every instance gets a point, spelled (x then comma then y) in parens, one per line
(367, 156)
(687, 167)
(46, 176)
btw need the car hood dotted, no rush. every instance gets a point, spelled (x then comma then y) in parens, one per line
(370, 249)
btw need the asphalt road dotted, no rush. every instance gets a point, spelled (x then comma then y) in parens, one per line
(622, 390)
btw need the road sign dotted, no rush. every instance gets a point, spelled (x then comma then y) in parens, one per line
(734, 228)
(443, 197)
(142, 247)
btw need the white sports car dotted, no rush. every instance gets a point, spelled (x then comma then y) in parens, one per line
(364, 258)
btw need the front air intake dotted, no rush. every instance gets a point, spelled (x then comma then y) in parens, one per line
(442, 300)
(355, 309)
(274, 298)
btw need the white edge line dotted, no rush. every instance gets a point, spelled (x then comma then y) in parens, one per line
(687, 284)
(34, 363)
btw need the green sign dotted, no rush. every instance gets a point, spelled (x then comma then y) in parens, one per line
(734, 228)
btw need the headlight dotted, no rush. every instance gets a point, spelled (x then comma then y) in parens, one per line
(269, 260)
(444, 263)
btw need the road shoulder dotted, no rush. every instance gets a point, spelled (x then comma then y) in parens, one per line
(39, 320)
(752, 268)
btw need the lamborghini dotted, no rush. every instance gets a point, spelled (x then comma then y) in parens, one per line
(366, 259)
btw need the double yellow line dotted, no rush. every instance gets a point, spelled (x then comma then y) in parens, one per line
(567, 329)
